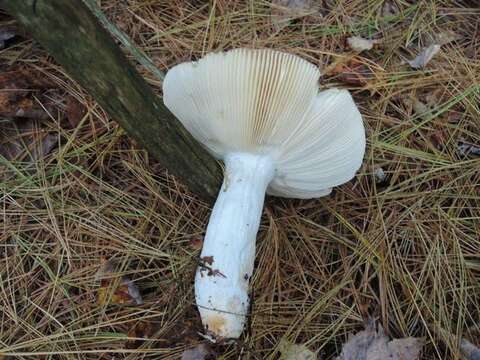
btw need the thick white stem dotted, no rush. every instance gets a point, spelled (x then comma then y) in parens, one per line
(228, 254)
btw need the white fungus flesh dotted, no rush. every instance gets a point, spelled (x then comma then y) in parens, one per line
(260, 112)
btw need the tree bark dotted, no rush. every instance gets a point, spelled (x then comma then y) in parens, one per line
(76, 40)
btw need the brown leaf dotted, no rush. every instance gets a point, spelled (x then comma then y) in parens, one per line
(75, 111)
(125, 293)
(16, 97)
(352, 72)
(143, 330)
(24, 140)
(25, 80)
(199, 352)
(106, 268)
(46, 145)
(372, 344)
(364, 306)
(419, 108)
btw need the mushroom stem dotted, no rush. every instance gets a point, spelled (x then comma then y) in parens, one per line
(228, 254)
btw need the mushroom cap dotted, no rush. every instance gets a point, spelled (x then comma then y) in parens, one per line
(267, 102)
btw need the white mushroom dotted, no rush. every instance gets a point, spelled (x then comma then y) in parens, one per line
(259, 111)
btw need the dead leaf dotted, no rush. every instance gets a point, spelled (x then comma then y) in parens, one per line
(25, 140)
(199, 352)
(126, 291)
(17, 98)
(120, 296)
(284, 11)
(419, 108)
(47, 143)
(133, 290)
(424, 57)
(432, 99)
(470, 351)
(359, 44)
(75, 111)
(352, 72)
(437, 139)
(372, 344)
(290, 351)
(106, 268)
(142, 330)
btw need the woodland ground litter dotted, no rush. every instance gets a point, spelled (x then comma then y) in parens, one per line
(91, 224)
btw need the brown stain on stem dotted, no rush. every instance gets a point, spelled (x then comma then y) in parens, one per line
(215, 324)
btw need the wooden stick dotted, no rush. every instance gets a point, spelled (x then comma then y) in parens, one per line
(78, 42)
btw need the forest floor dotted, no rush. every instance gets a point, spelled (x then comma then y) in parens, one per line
(99, 245)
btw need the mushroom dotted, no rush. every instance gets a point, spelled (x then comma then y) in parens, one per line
(260, 111)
